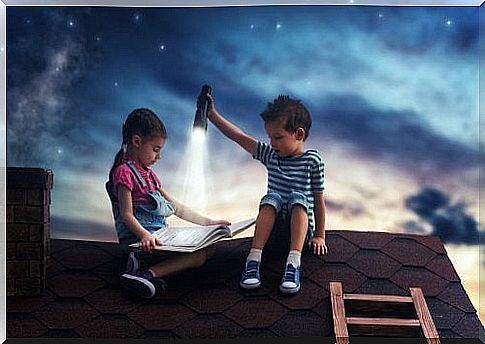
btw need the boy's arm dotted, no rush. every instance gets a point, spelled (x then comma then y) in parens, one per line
(230, 130)
(317, 243)
(188, 214)
(319, 215)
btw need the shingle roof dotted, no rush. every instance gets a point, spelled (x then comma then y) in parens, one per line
(83, 297)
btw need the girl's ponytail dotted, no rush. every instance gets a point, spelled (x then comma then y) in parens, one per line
(117, 162)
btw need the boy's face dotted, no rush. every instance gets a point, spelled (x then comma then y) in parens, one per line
(283, 142)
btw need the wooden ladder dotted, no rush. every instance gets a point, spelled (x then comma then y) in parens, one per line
(363, 304)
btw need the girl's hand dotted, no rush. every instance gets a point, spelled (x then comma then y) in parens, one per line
(148, 242)
(217, 222)
(317, 245)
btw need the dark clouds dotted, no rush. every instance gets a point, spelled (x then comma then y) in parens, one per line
(397, 136)
(450, 221)
(348, 64)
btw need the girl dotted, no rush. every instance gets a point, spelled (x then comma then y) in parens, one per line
(140, 204)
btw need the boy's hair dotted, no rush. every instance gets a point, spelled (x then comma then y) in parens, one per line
(291, 112)
(143, 122)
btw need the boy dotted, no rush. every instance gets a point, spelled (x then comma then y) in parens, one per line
(295, 189)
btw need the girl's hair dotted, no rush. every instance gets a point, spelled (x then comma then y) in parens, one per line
(143, 122)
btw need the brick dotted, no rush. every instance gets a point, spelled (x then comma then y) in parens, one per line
(10, 214)
(29, 251)
(15, 196)
(28, 286)
(28, 214)
(17, 232)
(17, 269)
(35, 197)
(47, 214)
(10, 287)
(20, 177)
(36, 233)
(35, 268)
(11, 251)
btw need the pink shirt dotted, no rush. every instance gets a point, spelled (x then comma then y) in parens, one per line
(123, 175)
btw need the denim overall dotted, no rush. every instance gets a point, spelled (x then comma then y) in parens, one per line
(151, 216)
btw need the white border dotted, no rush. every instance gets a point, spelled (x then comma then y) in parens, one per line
(225, 3)
(153, 3)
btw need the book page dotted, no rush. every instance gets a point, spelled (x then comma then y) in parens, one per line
(187, 236)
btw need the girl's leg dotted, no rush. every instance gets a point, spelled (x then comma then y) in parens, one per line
(179, 263)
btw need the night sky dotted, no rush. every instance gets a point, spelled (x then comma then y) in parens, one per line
(393, 92)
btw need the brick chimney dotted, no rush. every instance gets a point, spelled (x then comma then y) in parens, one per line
(28, 221)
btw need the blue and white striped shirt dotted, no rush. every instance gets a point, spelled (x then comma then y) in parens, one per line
(304, 174)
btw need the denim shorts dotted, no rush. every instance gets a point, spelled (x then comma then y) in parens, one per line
(280, 238)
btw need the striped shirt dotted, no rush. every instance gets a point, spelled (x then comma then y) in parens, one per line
(304, 174)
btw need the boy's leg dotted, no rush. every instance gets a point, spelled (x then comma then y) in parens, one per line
(298, 226)
(264, 225)
(269, 207)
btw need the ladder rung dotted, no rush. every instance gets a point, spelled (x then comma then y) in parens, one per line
(378, 298)
(382, 321)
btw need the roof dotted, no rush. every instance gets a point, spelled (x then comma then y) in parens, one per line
(83, 297)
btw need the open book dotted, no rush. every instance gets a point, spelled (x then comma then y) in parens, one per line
(190, 239)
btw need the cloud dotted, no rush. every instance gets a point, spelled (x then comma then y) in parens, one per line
(396, 136)
(38, 117)
(449, 221)
(347, 210)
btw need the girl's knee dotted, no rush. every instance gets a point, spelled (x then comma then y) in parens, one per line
(199, 257)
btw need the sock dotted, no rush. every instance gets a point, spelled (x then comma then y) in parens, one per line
(151, 273)
(254, 254)
(294, 258)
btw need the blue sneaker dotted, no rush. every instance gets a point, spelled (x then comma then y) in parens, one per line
(290, 283)
(250, 275)
(142, 283)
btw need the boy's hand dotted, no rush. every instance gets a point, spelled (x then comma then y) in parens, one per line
(317, 245)
(148, 242)
(211, 109)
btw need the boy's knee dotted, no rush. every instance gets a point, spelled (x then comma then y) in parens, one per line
(297, 202)
(272, 200)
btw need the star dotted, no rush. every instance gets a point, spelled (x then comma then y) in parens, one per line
(59, 151)
(252, 26)
(449, 22)
(28, 21)
(97, 38)
(57, 69)
(278, 26)
(136, 18)
(162, 47)
(380, 15)
(116, 83)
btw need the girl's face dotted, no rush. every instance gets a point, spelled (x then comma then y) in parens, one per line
(149, 150)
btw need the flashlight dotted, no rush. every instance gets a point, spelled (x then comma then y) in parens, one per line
(200, 120)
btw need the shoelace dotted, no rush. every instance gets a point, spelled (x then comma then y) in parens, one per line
(290, 273)
(251, 270)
